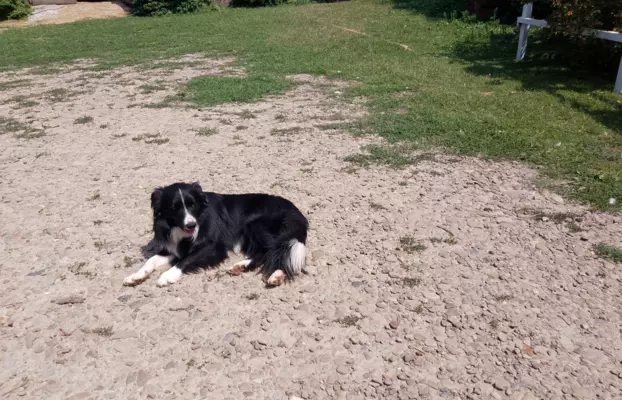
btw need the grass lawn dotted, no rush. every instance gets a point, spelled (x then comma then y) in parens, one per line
(450, 84)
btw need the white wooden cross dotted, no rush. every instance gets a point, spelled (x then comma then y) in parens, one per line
(525, 21)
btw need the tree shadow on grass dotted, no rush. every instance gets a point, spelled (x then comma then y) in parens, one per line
(543, 70)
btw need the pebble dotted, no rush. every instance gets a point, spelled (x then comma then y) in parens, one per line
(343, 369)
(142, 377)
(501, 384)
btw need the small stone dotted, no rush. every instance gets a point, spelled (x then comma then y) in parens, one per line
(394, 323)
(501, 384)
(124, 298)
(566, 343)
(343, 369)
(64, 349)
(142, 377)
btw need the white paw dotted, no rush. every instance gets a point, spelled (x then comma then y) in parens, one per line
(171, 276)
(277, 278)
(134, 279)
(239, 267)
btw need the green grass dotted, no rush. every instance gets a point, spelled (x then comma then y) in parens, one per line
(410, 245)
(429, 82)
(609, 252)
(212, 90)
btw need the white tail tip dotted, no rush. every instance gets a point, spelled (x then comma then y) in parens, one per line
(297, 256)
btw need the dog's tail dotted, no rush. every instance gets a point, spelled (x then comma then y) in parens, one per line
(288, 256)
(288, 252)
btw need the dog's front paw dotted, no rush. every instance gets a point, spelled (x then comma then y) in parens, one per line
(134, 279)
(169, 277)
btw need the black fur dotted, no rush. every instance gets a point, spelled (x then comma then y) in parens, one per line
(264, 225)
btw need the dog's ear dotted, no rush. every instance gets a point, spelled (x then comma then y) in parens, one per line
(196, 186)
(156, 200)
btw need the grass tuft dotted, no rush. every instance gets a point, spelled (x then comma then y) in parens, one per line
(410, 245)
(86, 119)
(606, 251)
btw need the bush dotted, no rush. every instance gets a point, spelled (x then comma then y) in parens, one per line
(570, 18)
(14, 9)
(163, 7)
(433, 8)
(256, 3)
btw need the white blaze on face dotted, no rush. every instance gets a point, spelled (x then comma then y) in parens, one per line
(188, 218)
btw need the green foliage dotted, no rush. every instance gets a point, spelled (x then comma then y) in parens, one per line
(610, 252)
(433, 8)
(256, 3)
(163, 7)
(211, 90)
(570, 18)
(14, 9)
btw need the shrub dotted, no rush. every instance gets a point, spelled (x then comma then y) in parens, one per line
(256, 3)
(433, 8)
(571, 17)
(163, 7)
(14, 9)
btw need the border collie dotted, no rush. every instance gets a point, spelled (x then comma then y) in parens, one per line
(195, 229)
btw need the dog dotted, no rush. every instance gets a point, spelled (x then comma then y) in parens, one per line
(194, 229)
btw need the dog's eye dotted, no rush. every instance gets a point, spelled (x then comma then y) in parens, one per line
(189, 203)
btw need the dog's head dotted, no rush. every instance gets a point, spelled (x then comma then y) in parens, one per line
(177, 206)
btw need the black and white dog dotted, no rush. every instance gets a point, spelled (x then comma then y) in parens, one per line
(196, 229)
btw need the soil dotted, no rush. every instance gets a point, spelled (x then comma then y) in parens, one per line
(454, 278)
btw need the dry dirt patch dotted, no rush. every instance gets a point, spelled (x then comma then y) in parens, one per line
(440, 280)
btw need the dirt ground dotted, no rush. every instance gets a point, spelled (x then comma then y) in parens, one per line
(455, 278)
(63, 13)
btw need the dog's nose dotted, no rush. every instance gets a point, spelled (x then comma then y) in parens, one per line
(191, 225)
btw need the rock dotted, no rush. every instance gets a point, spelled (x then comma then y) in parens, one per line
(566, 343)
(124, 298)
(64, 349)
(501, 384)
(394, 323)
(142, 377)
(343, 369)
